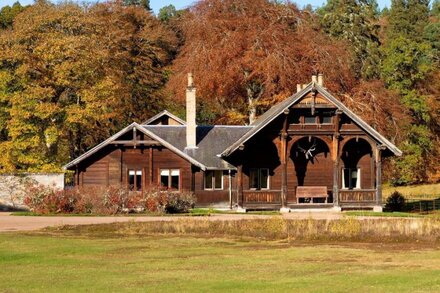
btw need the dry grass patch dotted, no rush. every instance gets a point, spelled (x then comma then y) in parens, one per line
(348, 229)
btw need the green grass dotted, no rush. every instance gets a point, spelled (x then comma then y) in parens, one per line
(210, 211)
(425, 191)
(44, 263)
(384, 214)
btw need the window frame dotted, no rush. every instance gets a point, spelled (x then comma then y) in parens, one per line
(170, 171)
(213, 187)
(350, 178)
(134, 187)
(259, 171)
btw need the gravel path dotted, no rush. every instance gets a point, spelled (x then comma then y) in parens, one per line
(30, 223)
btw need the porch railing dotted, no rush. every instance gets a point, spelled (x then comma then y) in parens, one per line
(362, 195)
(262, 196)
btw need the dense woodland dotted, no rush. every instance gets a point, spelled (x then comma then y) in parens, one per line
(71, 75)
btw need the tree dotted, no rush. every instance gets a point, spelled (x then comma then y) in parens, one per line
(356, 22)
(166, 13)
(408, 18)
(245, 55)
(141, 3)
(74, 76)
(8, 14)
(406, 68)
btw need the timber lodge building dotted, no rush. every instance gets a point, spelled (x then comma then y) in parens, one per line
(308, 151)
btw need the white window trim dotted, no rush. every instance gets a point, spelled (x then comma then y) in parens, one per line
(170, 172)
(358, 179)
(259, 179)
(213, 180)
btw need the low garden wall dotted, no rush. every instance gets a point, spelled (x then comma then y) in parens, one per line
(13, 187)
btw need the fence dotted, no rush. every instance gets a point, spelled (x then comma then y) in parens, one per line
(422, 205)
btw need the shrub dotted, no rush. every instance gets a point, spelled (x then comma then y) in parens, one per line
(105, 200)
(179, 202)
(395, 202)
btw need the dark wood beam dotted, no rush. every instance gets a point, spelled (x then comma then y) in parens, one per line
(136, 142)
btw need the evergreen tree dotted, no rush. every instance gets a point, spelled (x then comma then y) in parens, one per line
(408, 18)
(407, 63)
(8, 14)
(355, 21)
(141, 3)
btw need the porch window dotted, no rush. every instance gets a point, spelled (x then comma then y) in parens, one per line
(170, 178)
(351, 178)
(326, 119)
(259, 178)
(214, 179)
(309, 119)
(135, 179)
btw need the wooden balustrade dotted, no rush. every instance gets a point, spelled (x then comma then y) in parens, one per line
(362, 195)
(262, 196)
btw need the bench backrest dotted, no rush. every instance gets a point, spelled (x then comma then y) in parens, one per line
(311, 191)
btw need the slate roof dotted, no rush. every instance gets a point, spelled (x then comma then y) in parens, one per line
(211, 141)
(279, 108)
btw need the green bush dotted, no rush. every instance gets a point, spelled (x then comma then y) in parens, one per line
(395, 202)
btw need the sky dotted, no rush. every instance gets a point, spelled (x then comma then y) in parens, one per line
(157, 4)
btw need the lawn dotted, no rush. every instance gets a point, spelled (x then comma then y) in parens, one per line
(425, 191)
(40, 262)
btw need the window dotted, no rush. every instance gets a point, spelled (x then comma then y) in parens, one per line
(309, 119)
(326, 119)
(135, 179)
(351, 178)
(259, 178)
(170, 178)
(214, 179)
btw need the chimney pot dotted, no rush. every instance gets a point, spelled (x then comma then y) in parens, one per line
(190, 80)
(321, 79)
(314, 79)
(304, 86)
(298, 87)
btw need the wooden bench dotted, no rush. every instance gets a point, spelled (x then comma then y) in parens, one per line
(311, 192)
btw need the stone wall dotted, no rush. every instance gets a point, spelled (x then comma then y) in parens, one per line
(13, 187)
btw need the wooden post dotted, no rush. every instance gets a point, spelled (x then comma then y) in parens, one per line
(240, 196)
(335, 158)
(283, 138)
(378, 160)
(150, 163)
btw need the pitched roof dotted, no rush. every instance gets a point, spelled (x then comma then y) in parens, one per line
(141, 129)
(161, 114)
(211, 141)
(278, 109)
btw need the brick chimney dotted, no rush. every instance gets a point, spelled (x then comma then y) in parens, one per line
(190, 113)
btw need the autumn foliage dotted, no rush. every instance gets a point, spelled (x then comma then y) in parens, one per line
(71, 75)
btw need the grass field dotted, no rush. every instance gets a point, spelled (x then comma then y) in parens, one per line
(56, 262)
(425, 191)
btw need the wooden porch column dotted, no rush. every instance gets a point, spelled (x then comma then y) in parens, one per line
(378, 163)
(283, 138)
(150, 166)
(335, 158)
(240, 195)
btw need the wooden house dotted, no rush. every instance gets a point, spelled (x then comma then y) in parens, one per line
(308, 151)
